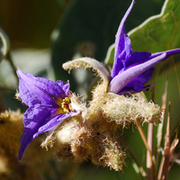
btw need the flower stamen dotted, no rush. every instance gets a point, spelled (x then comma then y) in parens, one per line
(66, 105)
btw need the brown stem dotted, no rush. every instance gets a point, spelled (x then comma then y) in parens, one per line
(173, 146)
(167, 151)
(173, 156)
(167, 145)
(160, 133)
(161, 168)
(144, 140)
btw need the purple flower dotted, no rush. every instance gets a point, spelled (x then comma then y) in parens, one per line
(48, 105)
(132, 70)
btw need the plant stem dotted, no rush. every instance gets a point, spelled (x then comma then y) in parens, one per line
(161, 125)
(9, 58)
(144, 140)
(149, 164)
(167, 145)
(167, 151)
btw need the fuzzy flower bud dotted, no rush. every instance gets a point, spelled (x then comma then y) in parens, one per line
(124, 110)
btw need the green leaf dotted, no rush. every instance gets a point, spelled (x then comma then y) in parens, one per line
(159, 33)
(109, 60)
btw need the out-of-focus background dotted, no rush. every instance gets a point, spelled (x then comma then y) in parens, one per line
(29, 24)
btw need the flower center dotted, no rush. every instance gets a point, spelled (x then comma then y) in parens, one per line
(66, 105)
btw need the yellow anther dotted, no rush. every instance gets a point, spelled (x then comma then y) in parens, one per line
(66, 106)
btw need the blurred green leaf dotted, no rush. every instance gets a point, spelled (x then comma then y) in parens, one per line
(159, 32)
(62, 3)
(29, 24)
(109, 60)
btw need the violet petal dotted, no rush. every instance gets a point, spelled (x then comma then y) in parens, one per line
(137, 84)
(123, 47)
(169, 53)
(35, 90)
(54, 121)
(33, 118)
(136, 58)
(122, 79)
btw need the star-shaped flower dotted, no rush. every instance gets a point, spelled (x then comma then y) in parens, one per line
(48, 105)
